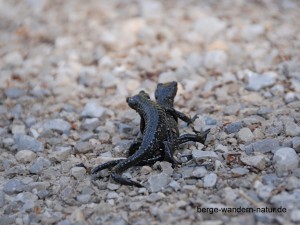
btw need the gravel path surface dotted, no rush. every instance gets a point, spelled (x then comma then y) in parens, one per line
(66, 68)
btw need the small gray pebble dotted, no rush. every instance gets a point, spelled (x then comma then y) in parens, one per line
(166, 167)
(13, 186)
(295, 215)
(93, 109)
(25, 142)
(266, 145)
(290, 68)
(64, 222)
(2, 199)
(39, 165)
(7, 219)
(296, 144)
(239, 171)
(210, 120)
(263, 111)
(292, 129)
(248, 149)
(200, 172)
(68, 108)
(245, 135)
(271, 179)
(112, 195)
(14, 93)
(43, 194)
(112, 186)
(25, 156)
(59, 125)
(184, 172)
(41, 185)
(17, 111)
(210, 180)
(61, 153)
(175, 185)
(78, 172)
(18, 129)
(39, 93)
(84, 198)
(157, 182)
(7, 142)
(232, 109)
(264, 192)
(134, 206)
(90, 124)
(154, 197)
(26, 197)
(285, 159)
(3, 110)
(199, 154)
(284, 199)
(234, 127)
(87, 136)
(216, 59)
(257, 161)
(83, 147)
(258, 81)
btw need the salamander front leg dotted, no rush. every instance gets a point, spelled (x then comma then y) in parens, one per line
(123, 180)
(198, 137)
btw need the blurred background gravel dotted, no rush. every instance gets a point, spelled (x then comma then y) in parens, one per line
(66, 68)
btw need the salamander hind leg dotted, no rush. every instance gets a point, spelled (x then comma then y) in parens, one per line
(201, 135)
(122, 180)
(105, 166)
(134, 146)
(198, 137)
(169, 154)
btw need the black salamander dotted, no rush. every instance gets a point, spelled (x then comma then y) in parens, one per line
(154, 135)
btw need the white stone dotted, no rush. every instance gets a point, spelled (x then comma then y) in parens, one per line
(25, 156)
(215, 60)
(258, 161)
(208, 27)
(258, 81)
(250, 32)
(60, 153)
(285, 160)
(295, 215)
(200, 172)
(292, 129)
(199, 154)
(13, 59)
(210, 180)
(93, 109)
(78, 172)
(18, 129)
(167, 77)
(245, 135)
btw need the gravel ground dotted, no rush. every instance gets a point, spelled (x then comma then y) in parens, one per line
(66, 69)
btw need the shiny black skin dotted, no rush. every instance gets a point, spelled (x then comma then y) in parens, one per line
(164, 95)
(154, 134)
(160, 134)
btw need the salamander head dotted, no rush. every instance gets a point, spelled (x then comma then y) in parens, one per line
(144, 94)
(135, 102)
(166, 92)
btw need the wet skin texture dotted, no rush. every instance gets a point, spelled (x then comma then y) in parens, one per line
(160, 134)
